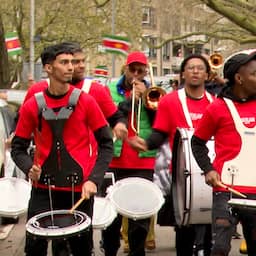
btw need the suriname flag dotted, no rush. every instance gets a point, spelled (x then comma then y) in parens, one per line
(101, 71)
(116, 44)
(12, 43)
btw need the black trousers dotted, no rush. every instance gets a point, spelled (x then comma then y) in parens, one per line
(137, 229)
(80, 244)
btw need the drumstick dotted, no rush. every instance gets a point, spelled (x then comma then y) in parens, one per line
(231, 190)
(77, 204)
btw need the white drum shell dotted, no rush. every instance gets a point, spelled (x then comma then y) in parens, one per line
(104, 213)
(192, 197)
(15, 195)
(136, 198)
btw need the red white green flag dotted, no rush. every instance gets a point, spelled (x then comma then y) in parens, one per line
(116, 44)
(12, 43)
(101, 71)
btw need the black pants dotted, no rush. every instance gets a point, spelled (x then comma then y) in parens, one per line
(137, 229)
(193, 238)
(80, 244)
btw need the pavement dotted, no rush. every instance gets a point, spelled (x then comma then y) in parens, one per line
(12, 241)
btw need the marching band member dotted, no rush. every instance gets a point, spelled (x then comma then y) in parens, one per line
(60, 119)
(182, 108)
(231, 119)
(126, 161)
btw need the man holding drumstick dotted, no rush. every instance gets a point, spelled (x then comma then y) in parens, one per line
(231, 119)
(61, 134)
(182, 108)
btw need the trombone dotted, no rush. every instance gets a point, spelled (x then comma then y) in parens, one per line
(135, 127)
(150, 99)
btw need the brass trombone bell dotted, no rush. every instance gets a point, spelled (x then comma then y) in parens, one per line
(153, 94)
(216, 61)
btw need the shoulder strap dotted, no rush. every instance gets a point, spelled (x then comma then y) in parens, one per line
(87, 85)
(182, 98)
(40, 101)
(74, 97)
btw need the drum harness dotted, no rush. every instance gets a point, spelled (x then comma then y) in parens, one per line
(230, 169)
(59, 169)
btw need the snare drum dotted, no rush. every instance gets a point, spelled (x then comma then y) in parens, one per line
(192, 197)
(14, 197)
(58, 224)
(103, 213)
(136, 198)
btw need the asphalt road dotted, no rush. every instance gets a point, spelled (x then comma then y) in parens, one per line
(13, 244)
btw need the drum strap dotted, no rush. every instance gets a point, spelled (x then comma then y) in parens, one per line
(59, 167)
(87, 85)
(182, 98)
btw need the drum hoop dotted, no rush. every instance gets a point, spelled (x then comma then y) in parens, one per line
(107, 220)
(134, 181)
(58, 232)
(13, 210)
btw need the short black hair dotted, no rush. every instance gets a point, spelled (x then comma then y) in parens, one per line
(195, 56)
(74, 46)
(50, 53)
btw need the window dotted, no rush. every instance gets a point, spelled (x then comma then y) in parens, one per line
(166, 51)
(146, 15)
(152, 51)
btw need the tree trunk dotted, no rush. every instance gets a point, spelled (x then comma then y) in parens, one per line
(4, 64)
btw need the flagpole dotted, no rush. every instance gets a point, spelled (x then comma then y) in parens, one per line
(113, 32)
(32, 32)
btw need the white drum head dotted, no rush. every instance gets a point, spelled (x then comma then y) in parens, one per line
(15, 194)
(136, 198)
(103, 213)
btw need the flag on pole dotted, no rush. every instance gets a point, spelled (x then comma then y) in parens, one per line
(116, 44)
(101, 71)
(12, 43)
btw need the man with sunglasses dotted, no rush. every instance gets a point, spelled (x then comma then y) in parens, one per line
(126, 161)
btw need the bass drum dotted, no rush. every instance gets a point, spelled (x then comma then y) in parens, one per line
(192, 197)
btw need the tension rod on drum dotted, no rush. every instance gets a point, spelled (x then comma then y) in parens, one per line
(50, 198)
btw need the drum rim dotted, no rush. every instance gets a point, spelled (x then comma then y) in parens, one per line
(136, 180)
(59, 232)
(18, 211)
(104, 222)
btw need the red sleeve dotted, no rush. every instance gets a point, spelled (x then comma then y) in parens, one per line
(35, 88)
(95, 117)
(103, 97)
(27, 119)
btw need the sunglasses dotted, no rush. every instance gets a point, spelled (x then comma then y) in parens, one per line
(139, 71)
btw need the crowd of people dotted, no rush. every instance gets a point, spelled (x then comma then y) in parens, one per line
(81, 129)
